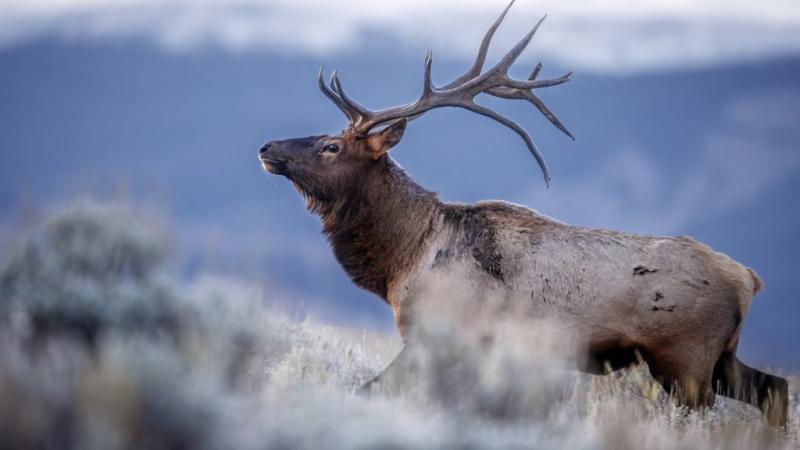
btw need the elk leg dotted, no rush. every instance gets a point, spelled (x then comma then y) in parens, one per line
(688, 382)
(398, 377)
(602, 359)
(769, 393)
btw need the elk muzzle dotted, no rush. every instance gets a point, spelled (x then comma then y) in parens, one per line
(273, 158)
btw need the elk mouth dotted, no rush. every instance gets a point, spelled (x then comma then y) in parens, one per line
(274, 166)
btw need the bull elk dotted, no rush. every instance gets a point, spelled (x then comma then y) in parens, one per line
(669, 301)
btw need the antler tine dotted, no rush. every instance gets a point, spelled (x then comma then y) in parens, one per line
(512, 55)
(539, 104)
(362, 111)
(488, 82)
(475, 70)
(540, 83)
(427, 85)
(334, 97)
(484, 111)
(535, 72)
(517, 94)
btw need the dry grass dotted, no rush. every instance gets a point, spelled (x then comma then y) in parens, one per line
(101, 349)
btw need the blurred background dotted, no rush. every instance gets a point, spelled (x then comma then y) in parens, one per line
(686, 114)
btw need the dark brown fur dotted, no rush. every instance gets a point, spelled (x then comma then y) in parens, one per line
(480, 236)
(370, 231)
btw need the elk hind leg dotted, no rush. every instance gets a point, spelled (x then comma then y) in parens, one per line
(769, 393)
(602, 360)
(688, 382)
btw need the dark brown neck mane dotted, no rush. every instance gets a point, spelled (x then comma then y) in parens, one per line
(378, 230)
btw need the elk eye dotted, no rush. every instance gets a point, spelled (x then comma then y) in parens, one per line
(331, 148)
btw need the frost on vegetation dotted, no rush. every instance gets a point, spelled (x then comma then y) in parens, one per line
(101, 348)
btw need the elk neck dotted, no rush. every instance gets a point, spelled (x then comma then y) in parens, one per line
(378, 231)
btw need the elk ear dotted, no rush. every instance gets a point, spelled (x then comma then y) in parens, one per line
(380, 142)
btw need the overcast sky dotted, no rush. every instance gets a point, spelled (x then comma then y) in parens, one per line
(607, 35)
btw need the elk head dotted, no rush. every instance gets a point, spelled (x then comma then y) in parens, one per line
(326, 167)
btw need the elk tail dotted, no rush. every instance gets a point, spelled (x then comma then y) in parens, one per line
(754, 283)
(757, 284)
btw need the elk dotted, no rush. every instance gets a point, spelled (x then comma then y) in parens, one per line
(668, 301)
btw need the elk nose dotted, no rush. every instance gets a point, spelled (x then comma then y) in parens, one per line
(265, 148)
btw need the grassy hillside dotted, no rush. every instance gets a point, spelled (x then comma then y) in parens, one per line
(102, 348)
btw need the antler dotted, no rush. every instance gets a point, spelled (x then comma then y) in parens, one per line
(460, 93)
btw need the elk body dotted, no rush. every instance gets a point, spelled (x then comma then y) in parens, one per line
(670, 301)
